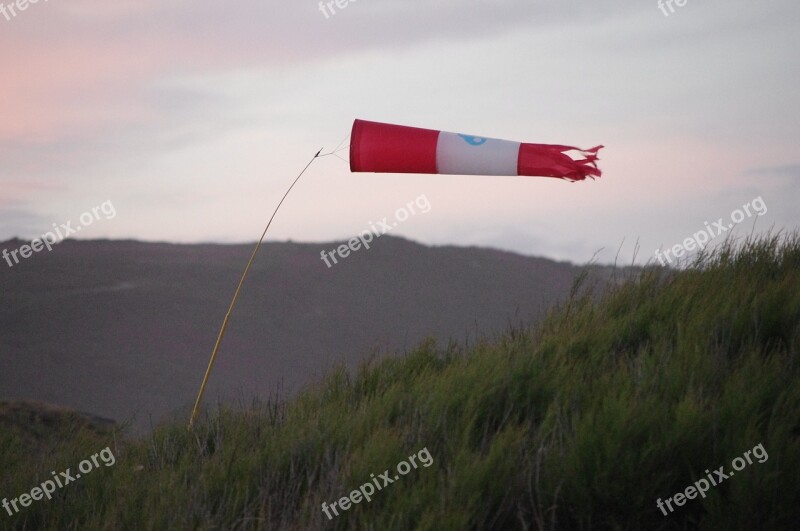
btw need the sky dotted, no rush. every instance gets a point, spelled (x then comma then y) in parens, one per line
(193, 117)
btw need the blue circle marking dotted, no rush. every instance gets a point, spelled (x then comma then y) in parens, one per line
(473, 140)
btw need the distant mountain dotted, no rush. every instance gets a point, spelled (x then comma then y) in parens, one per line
(124, 329)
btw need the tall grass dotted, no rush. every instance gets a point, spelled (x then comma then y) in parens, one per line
(622, 396)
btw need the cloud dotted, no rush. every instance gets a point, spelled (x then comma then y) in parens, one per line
(81, 66)
(786, 170)
(172, 109)
(19, 222)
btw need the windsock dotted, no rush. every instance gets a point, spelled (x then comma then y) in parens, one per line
(386, 148)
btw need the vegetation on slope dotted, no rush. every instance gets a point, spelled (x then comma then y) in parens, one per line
(620, 398)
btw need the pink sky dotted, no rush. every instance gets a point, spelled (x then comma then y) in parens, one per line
(193, 117)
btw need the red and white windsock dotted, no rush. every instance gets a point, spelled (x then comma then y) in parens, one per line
(386, 148)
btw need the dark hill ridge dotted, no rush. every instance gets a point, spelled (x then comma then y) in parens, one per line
(41, 423)
(123, 328)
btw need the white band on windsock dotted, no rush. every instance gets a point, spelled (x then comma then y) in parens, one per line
(458, 154)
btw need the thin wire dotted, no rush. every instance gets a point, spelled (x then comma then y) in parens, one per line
(335, 153)
(342, 142)
(236, 297)
(338, 148)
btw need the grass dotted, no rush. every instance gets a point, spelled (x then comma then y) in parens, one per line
(623, 395)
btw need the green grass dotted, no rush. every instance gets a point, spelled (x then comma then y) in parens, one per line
(622, 396)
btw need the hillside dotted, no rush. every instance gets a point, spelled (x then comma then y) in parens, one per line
(615, 401)
(124, 329)
(34, 423)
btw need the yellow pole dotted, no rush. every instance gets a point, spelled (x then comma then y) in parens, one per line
(236, 296)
